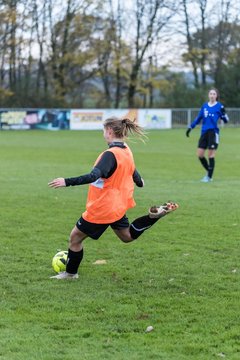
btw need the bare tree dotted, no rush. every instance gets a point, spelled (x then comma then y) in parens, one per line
(12, 41)
(150, 19)
(191, 52)
(223, 34)
(59, 44)
(4, 31)
(202, 6)
(40, 27)
(118, 45)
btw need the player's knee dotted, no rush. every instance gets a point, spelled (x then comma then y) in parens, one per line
(72, 241)
(200, 153)
(126, 239)
(74, 238)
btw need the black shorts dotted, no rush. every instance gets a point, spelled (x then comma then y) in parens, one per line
(94, 231)
(209, 140)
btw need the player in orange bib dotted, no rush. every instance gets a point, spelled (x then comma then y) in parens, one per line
(110, 195)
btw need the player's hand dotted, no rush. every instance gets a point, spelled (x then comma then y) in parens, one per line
(56, 183)
(188, 132)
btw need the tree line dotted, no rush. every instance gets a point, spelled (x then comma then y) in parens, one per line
(116, 53)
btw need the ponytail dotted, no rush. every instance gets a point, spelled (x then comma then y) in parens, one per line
(124, 127)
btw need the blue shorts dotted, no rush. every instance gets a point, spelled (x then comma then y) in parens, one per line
(94, 231)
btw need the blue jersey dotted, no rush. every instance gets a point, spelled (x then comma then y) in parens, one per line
(209, 115)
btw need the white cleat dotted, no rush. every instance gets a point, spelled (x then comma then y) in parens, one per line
(64, 275)
(156, 212)
(206, 179)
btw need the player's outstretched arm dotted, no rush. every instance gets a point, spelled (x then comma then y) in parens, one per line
(56, 183)
(138, 179)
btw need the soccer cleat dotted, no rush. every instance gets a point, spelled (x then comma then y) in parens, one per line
(206, 179)
(159, 211)
(64, 275)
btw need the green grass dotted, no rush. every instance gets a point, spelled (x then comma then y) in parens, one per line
(181, 276)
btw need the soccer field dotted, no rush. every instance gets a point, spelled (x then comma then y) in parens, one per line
(181, 276)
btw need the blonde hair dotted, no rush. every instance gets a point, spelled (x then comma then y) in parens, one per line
(124, 127)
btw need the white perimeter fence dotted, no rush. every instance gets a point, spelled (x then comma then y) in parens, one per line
(183, 117)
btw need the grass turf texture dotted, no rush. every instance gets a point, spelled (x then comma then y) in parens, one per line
(181, 276)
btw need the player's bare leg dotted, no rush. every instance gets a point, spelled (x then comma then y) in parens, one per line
(75, 255)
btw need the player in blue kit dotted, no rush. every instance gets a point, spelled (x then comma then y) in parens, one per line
(211, 112)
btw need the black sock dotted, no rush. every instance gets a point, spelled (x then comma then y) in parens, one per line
(204, 162)
(211, 167)
(141, 224)
(73, 261)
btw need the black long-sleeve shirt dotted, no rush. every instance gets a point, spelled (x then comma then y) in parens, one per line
(103, 169)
